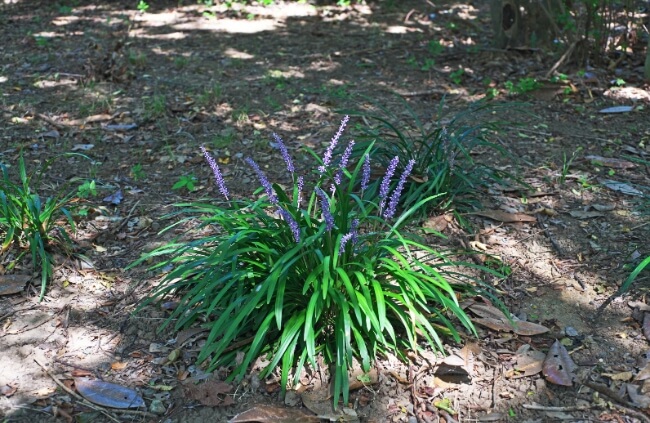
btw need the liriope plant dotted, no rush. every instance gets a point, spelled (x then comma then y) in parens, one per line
(300, 273)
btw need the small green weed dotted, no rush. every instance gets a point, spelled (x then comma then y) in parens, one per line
(435, 48)
(137, 173)
(428, 64)
(240, 116)
(457, 76)
(142, 6)
(185, 181)
(137, 58)
(155, 106)
(210, 95)
(41, 41)
(180, 62)
(523, 86)
(87, 189)
(566, 164)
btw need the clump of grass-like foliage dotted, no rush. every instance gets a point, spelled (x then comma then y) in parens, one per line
(300, 272)
(33, 223)
(442, 151)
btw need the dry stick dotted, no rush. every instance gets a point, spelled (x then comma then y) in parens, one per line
(416, 405)
(628, 410)
(562, 59)
(538, 407)
(542, 224)
(126, 219)
(420, 93)
(52, 122)
(589, 137)
(602, 389)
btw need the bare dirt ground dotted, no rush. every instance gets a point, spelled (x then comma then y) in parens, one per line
(140, 92)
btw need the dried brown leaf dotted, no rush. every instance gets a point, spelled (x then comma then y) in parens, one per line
(7, 390)
(13, 284)
(452, 374)
(488, 311)
(108, 394)
(640, 400)
(211, 393)
(273, 414)
(517, 326)
(529, 363)
(646, 325)
(644, 373)
(558, 367)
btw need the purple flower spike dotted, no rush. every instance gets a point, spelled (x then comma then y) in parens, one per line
(385, 183)
(325, 206)
(285, 153)
(218, 177)
(327, 158)
(365, 178)
(344, 162)
(295, 229)
(301, 184)
(354, 231)
(350, 236)
(394, 198)
(265, 182)
(344, 240)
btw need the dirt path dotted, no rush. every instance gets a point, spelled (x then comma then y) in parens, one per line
(139, 92)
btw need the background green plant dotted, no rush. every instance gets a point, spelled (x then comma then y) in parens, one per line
(442, 150)
(30, 220)
(276, 278)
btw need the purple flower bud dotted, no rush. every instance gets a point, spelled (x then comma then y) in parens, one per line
(344, 240)
(301, 184)
(268, 188)
(385, 183)
(365, 178)
(285, 153)
(295, 229)
(355, 232)
(350, 236)
(325, 206)
(343, 163)
(327, 158)
(218, 177)
(394, 198)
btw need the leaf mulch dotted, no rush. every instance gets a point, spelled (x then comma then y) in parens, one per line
(140, 92)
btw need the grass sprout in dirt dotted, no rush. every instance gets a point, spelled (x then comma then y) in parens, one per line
(32, 222)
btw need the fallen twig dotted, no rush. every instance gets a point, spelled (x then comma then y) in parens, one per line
(542, 224)
(538, 407)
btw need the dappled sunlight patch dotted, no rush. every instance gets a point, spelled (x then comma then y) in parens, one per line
(237, 54)
(234, 26)
(65, 20)
(48, 34)
(160, 19)
(68, 82)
